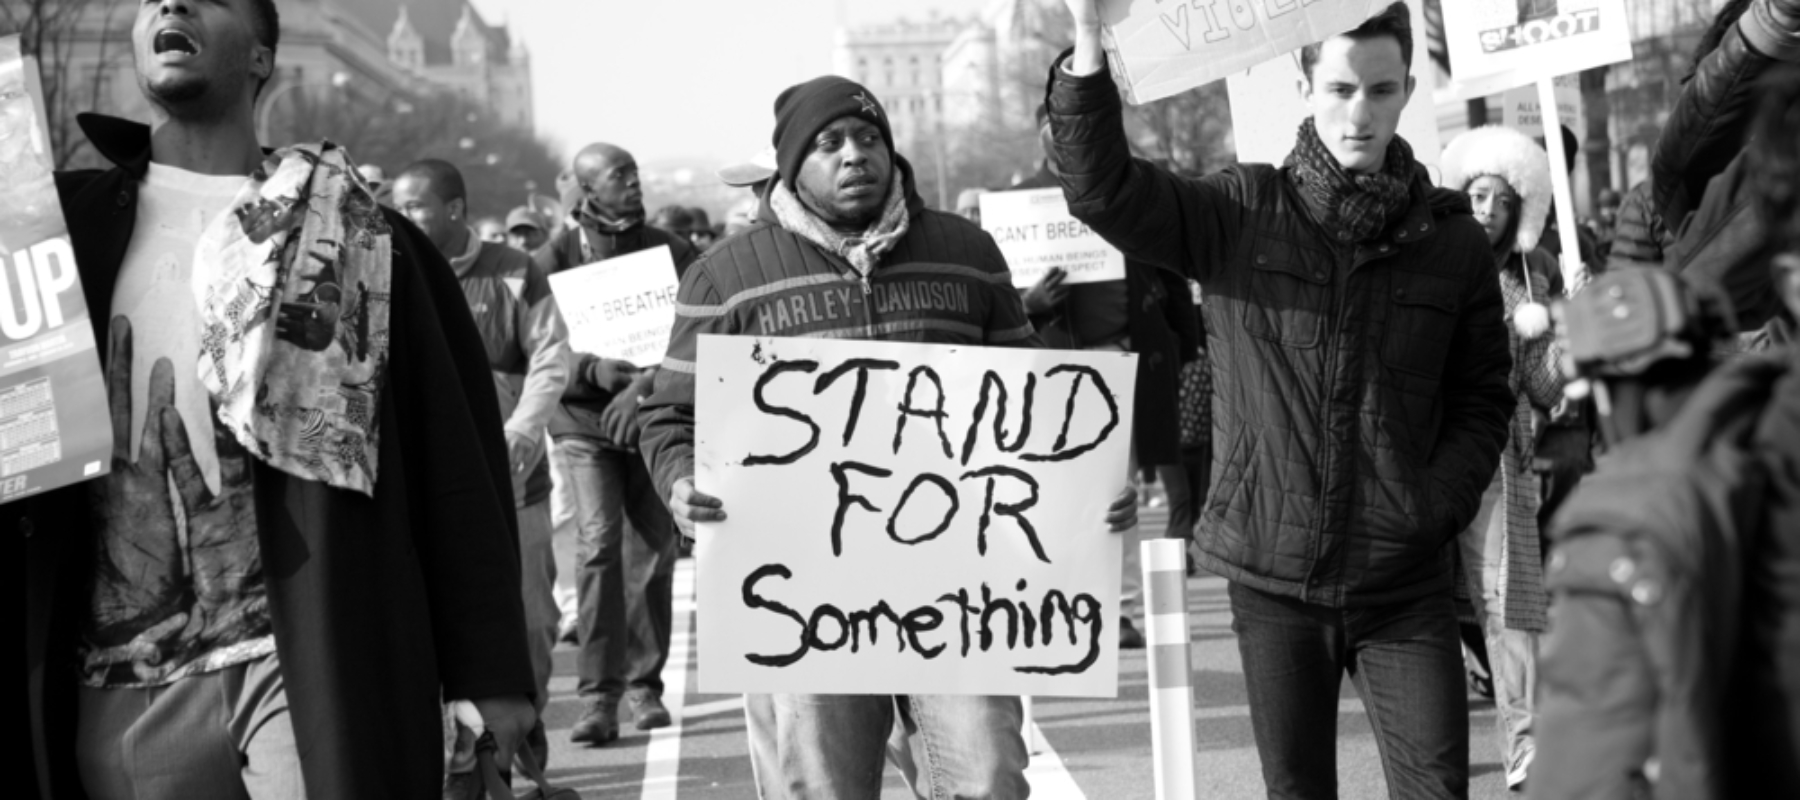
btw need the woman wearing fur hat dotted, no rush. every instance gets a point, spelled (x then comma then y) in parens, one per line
(1507, 177)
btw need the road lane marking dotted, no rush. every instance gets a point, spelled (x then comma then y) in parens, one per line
(662, 758)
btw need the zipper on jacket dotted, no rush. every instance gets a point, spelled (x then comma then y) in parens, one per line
(1331, 354)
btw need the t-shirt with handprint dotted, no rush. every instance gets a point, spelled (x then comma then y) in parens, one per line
(177, 583)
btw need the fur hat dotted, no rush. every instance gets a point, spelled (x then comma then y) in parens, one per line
(1510, 156)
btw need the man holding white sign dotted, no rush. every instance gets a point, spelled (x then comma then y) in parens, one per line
(844, 248)
(1360, 397)
(626, 542)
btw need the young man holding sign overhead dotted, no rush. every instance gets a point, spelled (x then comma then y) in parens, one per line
(843, 247)
(1360, 362)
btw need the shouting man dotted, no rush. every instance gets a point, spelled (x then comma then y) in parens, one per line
(843, 212)
(1360, 401)
(305, 543)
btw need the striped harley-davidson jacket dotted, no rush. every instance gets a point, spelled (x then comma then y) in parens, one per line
(944, 283)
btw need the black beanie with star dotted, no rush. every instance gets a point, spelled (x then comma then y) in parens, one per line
(803, 109)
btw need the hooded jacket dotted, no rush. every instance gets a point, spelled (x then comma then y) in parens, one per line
(1535, 377)
(1359, 390)
(945, 282)
(435, 551)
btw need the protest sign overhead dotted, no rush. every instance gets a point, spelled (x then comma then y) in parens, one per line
(622, 307)
(1036, 232)
(1267, 103)
(1496, 45)
(909, 518)
(54, 425)
(1158, 49)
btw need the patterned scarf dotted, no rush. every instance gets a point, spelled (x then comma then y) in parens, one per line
(863, 250)
(293, 287)
(589, 214)
(1361, 204)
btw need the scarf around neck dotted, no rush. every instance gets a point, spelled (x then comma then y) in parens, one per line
(1362, 204)
(293, 287)
(863, 250)
(590, 215)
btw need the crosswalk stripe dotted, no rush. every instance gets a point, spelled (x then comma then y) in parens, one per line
(662, 758)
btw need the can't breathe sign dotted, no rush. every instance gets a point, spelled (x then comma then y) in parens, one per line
(909, 518)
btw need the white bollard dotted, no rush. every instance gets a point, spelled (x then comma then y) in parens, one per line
(1171, 674)
(1032, 745)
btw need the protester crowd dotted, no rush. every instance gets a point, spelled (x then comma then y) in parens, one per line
(322, 566)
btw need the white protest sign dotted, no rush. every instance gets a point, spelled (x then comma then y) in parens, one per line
(1036, 232)
(622, 307)
(1157, 49)
(1519, 107)
(1496, 45)
(1267, 107)
(909, 518)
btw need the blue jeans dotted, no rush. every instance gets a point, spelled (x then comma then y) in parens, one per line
(625, 547)
(806, 746)
(1406, 661)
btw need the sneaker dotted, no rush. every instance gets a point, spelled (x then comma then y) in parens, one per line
(648, 709)
(599, 724)
(1129, 638)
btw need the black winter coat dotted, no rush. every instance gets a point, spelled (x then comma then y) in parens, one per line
(1360, 398)
(381, 606)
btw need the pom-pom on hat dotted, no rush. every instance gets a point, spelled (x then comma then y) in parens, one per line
(803, 109)
(1512, 157)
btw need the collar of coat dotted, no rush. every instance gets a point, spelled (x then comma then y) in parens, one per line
(1428, 206)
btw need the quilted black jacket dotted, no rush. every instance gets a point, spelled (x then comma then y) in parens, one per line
(1359, 390)
(944, 283)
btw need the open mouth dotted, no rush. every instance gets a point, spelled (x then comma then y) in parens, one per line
(170, 40)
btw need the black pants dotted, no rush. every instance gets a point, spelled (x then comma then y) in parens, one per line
(1407, 666)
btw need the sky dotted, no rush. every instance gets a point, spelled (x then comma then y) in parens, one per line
(690, 81)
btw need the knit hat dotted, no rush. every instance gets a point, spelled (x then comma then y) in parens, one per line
(1510, 156)
(803, 109)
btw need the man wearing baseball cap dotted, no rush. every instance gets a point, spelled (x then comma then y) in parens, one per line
(525, 229)
(842, 218)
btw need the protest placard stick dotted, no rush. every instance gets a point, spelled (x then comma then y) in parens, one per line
(1559, 182)
(1171, 676)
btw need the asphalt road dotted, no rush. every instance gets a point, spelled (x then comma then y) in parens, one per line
(1084, 748)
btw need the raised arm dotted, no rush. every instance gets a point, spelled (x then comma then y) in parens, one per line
(1186, 226)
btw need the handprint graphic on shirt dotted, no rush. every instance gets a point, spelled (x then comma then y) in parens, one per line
(179, 567)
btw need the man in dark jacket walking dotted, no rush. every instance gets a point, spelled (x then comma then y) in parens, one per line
(215, 639)
(845, 248)
(1360, 398)
(626, 544)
